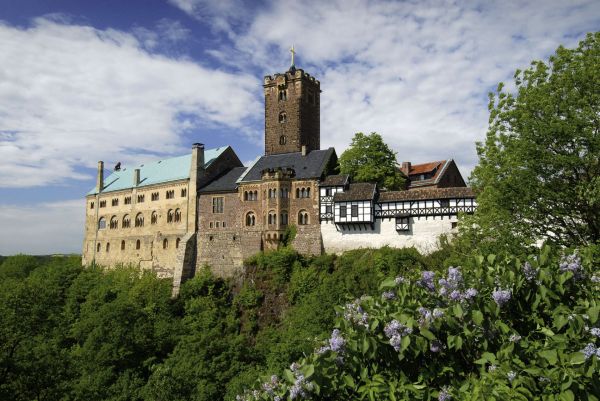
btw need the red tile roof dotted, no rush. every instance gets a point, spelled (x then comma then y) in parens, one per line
(425, 167)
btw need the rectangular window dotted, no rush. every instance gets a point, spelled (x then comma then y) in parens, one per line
(354, 210)
(328, 209)
(402, 224)
(102, 203)
(217, 204)
(91, 205)
(444, 202)
(128, 200)
(342, 211)
(327, 191)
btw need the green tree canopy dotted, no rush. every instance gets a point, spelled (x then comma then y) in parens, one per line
(539, 167)
(370, 159)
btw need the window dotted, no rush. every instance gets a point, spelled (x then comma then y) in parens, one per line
(126, 222)
(177, 241)
(170, 194)
(139, 220)
(250, 219)
(217, 204)
(101, 223)
(327, 191)
(284, 219)
(154, 196)
(154, 218)
(282, 140)
(402, 224)
(343, 211)
(354, 211)
(454, 224)
(272, 193)
(107, 247)
(328, 209)
(170, 216)
(98, 247)
(217, 224)
(123, 245)
(140, 198)
(445, 203)
(184, 192)
(177, 215)
(272, 218)
(115, 202)
(91, 205)
(165, 243)
(102, 203)
(114, 223)
(210, 224)
(223, 224)
(282, 117)
(127, 200)
(282, 94)
(138, 244)
(302, 192)
(303, 218)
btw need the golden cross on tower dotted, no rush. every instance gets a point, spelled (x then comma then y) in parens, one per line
(293, 54)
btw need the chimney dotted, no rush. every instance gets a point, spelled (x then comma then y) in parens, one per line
(304, 152)
(405, 168)
(136, 177)
(100, 177)
(198, 150)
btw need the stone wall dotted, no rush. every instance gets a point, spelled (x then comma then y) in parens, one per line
(424, 234)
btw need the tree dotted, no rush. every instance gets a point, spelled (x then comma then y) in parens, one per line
(370, 159)
(539, 168)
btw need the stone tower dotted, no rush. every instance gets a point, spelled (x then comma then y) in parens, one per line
(292, 116)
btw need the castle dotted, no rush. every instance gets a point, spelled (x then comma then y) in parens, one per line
(205, 208)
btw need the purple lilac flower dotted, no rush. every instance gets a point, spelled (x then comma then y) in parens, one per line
(436, 346)
(354, 313)
(571, 263)
(511, 376)
(438, 313)
(456, 295)
(294, 367)
(529, 272)
(323, 350)
(501, 296)
(444, 394)
(589, 351)
(400, 280)
(337, 342)
(470, 293)
(595, 279)
(426, 316)
(395, 330)
(426, 280)
(388, 295)
(514, 338)
(595, 331)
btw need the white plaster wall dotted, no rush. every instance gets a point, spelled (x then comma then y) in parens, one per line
(423, 234)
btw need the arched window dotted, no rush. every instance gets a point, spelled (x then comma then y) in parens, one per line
(177, 215)
(177, 241)
(154, 218)
(107, 247)
(101, 223)
(272, 218)
(308, 192)
(245, 195)
(282, 140)
(139, 220)
(282, 94)
(297, 193)
(282, 117)
(126, 221)
(138, 244)
(250, 219)
(302, 218)
(170, 215)
(165, 243)
(98, 247)
(255, 195)
(123, 245)
(284, 218)
(114, 223)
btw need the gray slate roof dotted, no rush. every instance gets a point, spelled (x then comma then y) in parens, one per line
(310, 166)
(225, 183)
(357, 191)
(335, 181)
(426, 194)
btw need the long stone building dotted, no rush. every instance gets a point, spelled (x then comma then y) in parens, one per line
(205, 208)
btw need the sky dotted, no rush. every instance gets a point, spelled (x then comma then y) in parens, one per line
(141, 80)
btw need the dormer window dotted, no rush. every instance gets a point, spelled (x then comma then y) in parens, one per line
(282, 117)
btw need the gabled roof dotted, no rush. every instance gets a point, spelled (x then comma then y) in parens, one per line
(310, 166)
(225, 183)
(172, 169)
(425, 167)
(426, 194)
(356, 192)
(335, 181)
(438, 168)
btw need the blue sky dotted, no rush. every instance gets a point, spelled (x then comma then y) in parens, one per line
(82, 81)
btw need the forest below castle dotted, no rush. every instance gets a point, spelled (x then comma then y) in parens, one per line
(492, 315)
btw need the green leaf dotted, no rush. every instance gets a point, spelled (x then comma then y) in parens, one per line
(388, 283)
(349, 381)
(477, 317)
(549, 355)
(567, 396)
(427, 334)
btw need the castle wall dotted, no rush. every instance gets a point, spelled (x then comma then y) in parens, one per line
(423, 234)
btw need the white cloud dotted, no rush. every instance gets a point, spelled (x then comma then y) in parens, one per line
(416, 72)
(71, 95)
(43, 228)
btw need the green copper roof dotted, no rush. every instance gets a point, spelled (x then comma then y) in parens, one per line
(173, 169)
